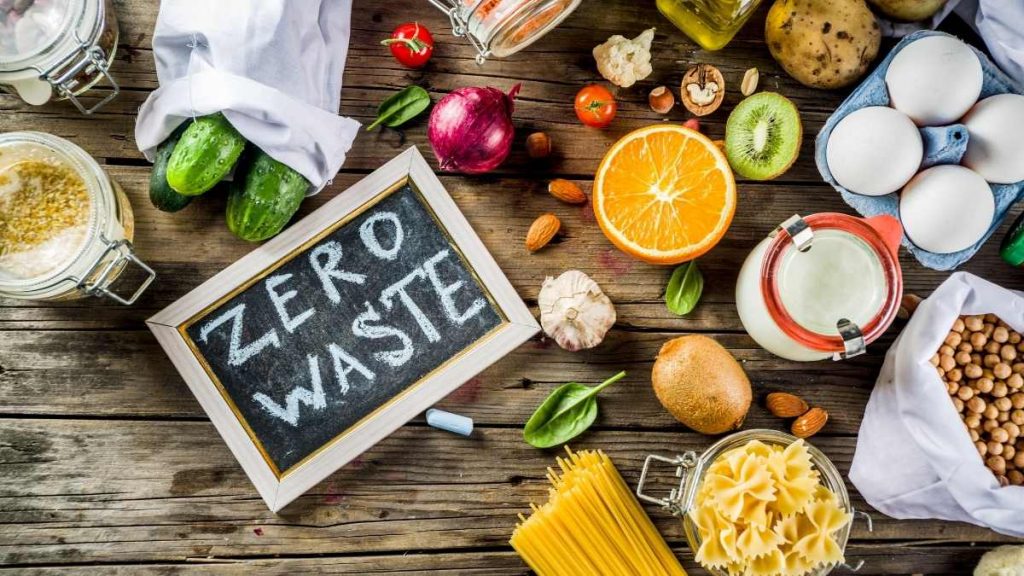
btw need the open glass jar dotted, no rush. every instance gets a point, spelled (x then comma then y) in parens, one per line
(500, 28)
(822, 286)
(690, 469)
(57, 49)
(65, 227)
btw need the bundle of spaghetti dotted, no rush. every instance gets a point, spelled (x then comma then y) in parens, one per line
(591, 525)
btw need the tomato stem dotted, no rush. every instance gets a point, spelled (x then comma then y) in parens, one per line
(415, 45)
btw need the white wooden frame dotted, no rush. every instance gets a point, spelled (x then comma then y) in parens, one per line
(278, 490)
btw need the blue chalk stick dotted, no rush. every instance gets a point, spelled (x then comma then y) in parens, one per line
(451, 422)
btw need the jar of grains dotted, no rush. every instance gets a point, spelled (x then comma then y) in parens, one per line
(57, 49)
(501, 28)
(65, 227)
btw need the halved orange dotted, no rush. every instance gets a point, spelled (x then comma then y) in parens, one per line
(664, 194)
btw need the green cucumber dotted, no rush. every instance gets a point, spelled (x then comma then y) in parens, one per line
(204, 155)
(160, 192)
(263, 200)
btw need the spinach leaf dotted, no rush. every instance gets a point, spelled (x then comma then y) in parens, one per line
(401, 107)
(566, 413)
(684, 288)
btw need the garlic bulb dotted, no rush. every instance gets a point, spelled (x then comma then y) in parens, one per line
(574, 311)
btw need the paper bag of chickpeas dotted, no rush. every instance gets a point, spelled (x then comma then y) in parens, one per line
(943, 433)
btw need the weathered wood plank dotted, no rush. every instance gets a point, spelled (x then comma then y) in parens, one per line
(895, 558)
(119, 491)
(190, 246)
(126, 374)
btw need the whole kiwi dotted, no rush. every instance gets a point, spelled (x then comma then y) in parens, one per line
(700, 383)
(823, 43)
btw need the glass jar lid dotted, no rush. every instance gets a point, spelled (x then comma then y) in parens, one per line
(30, 27)
(831, 281)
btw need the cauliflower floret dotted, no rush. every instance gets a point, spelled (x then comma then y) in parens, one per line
(622, 61)
(1002, 561)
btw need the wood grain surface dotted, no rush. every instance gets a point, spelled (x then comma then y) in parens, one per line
(108, 465)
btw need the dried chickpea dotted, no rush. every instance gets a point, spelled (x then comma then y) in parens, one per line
(958, 404)
(953, 339)
(934, 359)
(1009, 353)
(952, 388)
(1009, 452)
(965, 393)
(1015, 477)
(993, 347)
(946, 362)
(991, 318)
(1003, 481)
(1003, 404)
(955, 375)
(987, 329)
(974, 323)
(983, 385)
(999, 435)
(1017, 417)
(991, 412)
(945, 350)
(996, 463)
(1012, 429)
(1018, 459)
(995, 448)
(976, 406)
(1015, 381)
(1003, 417)
(940, 372)
(1018, 367)
(1001, 334)
(989, 361)
(973, 420)
(999, 389)
(958, 325)
(1015, 338)
(1017, 400)
(962, 358)
(981, 447)
(987, 373)
(1002, 370)
(990, 423)
(978, 340)
(972, 371)
(973, 434)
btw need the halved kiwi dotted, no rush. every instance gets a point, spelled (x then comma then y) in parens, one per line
(762, 136)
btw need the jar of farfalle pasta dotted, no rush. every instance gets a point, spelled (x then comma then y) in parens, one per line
(760, 502)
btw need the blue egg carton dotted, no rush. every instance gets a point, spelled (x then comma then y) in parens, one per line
(942, 145)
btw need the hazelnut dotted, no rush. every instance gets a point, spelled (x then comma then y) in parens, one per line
(538, 145)
(661, 100)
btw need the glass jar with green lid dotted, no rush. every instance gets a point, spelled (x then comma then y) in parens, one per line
(710, 23)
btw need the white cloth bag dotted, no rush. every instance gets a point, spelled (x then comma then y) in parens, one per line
(914, 458)
(273, 67)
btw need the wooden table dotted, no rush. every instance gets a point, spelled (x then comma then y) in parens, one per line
(108, 463)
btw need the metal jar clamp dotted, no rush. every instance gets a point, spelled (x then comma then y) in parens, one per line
(108, 266)
(460, 26)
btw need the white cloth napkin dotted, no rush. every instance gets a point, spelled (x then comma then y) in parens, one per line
(914, 458)
(272, 67)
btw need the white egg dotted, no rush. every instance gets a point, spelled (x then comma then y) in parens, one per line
(934, 80)
(874, 151)
(995, 147)
(946, 208)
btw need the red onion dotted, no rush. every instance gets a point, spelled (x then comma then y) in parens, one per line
(471, 129)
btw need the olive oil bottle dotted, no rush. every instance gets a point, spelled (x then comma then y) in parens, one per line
(710, 23)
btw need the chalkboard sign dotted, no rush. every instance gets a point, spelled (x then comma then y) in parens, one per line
(327, 338)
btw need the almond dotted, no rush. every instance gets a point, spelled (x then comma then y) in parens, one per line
(542, 231)
(566, 191)
(785, 405)
(810, 423)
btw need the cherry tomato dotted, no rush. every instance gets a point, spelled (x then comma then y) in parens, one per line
(595, 106)
(411, 44)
